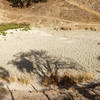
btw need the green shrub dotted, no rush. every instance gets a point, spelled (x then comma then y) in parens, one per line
(6, 26)
(4, 33)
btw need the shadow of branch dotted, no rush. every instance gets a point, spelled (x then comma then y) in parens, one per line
(42, 64)
(4, 74)
(3, 92)
(88, 91)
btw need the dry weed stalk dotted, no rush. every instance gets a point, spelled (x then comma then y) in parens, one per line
(22, 80)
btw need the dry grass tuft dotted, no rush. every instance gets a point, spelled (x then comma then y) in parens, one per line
(13, 79)
(24, 80)
(68, 79)
(21, 79)
(27, 81)
(90, 28)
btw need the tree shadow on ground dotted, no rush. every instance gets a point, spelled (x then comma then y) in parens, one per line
(4, 74)
(3, 92)
(42, 64)
(90, 91)
(86, 92)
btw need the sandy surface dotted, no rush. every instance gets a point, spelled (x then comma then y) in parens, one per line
(81, 46)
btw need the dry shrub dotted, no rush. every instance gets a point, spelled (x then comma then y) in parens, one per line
(68, 79)
(66, 28)
(24, 80)
(21, 79)
(27, 80)
(13, 79)
(86, 28)
(92, 29)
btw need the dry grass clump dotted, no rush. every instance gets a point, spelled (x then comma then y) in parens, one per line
(24, 80)
(66, 28)
(21, 79)
(13, 79)
(86, 28)
(63, 28)
(90, 28)
(68, 79)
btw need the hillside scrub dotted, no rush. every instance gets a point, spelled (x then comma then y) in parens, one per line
(22, 3)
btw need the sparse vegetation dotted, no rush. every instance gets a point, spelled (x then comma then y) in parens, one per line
(24, 80)
(27, 80)
(63, 28)
(13, 79)
(90, 28)
(68, 79)
(6, 26)
(21, 79)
